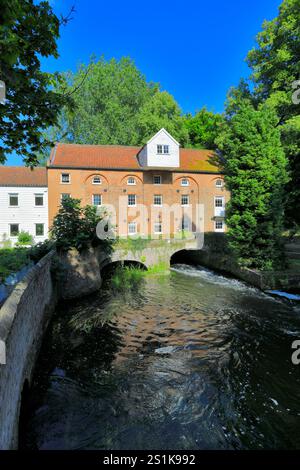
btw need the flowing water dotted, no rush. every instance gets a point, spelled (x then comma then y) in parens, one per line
(189, 360)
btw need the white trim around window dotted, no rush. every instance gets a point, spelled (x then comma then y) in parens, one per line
(131, 200)
(97, 180)
(131, 181)
(185, 182)
(185, 200)
(219, 201)
(65, 196)
(37, 229)
(39, 198)
(97, 200)
(157, 200)
(132, 228)
(219, 183)
(65, 178)
(219, 225)
(13, 200)
(157, 228)
(16, 232)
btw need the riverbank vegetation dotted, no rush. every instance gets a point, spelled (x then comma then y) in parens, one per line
(260, 146)
(12, 260)
(75, 226)
(127, 278)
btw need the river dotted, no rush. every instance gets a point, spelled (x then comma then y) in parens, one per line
(189, 360)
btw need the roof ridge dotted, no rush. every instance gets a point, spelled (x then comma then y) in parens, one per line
(101, 145)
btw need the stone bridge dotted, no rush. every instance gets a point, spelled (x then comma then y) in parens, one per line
(148, 252)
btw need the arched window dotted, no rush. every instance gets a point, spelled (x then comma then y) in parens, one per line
(219, 183)
(185, 182)
(97, 180)
(131, 180)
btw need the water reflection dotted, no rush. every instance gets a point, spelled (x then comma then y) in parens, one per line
(192, 360)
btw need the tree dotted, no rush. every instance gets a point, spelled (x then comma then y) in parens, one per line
(203, 128)
(255, 168)
(75, 226)
(161, 110)
(28, 31)
(290, 137)
(275, 60)
(115, 105)
(276, 73)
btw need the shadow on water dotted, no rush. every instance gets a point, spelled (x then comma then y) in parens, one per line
(193, 360)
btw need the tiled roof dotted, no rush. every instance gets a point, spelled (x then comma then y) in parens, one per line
(22, 176)
(118, 156)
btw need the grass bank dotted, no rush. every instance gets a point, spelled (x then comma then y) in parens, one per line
(125, 278)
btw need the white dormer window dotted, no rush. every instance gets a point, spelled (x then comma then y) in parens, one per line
(96, 180)
(219, 183)
(185, 182)
(163, 149)
(131, 181)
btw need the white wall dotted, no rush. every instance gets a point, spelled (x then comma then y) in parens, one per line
(149, 156)
(26, 214)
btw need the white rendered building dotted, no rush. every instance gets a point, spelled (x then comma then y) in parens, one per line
(23, 203)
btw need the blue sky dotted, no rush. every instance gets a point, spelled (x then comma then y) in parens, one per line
(195, 49)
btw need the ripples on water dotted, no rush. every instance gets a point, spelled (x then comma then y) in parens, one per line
(192, 360)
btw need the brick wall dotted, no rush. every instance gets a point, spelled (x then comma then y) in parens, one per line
(201, 190)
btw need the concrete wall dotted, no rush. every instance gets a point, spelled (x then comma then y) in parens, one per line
(23, 320)
(264, 280)
(155, 252)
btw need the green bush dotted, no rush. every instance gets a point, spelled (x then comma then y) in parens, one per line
(75, 226)
(40, 250)
(24, 238)
(126, 278)
(12, 260)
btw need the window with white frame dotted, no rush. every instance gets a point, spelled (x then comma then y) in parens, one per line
(97, 180)
(219, 226)
(39, 230)
(156, 179)
(219, 202)
(131, 200)
(14, 200)
(14, 230)
(97, 199)
(39, 200)
(185, 200)
(131, 181)
(65, 178)
(219, 183)
(158, 200)
(185, 182)
(163, 149)
(132, 230)
(158, 227)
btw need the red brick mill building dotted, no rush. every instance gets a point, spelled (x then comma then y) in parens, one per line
(142, 184)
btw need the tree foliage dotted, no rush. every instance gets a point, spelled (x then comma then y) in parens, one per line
(75, 226)
(114, 104)
(255, 168)
(203, 128)
(28, 31)
(275, 60)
